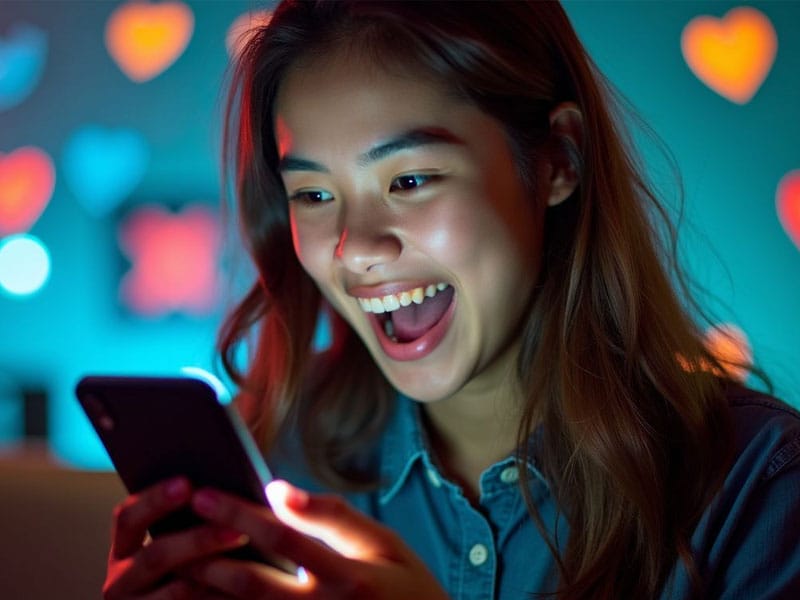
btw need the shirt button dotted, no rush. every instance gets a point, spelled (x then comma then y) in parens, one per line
(434, 478)
(478, 555)
(509, 475)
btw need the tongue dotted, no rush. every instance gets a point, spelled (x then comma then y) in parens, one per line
(413, 321)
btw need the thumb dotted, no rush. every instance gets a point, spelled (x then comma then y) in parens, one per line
(330, 519)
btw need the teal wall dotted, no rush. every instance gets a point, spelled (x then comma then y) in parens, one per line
(731, 157)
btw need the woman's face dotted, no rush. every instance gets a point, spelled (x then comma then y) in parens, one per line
(407, 211)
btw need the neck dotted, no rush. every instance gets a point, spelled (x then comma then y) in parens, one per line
(473, 429)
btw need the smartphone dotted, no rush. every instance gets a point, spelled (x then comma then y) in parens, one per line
(155, 428)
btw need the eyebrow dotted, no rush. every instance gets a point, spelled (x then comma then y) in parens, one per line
(414, 138)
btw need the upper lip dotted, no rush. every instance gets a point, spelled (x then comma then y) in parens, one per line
(388, 289)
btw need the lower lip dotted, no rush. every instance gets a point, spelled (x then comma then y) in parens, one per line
(420, 347)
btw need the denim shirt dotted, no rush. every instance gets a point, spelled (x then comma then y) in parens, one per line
(746, 545)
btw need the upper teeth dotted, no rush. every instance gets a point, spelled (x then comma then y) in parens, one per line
(394, 301)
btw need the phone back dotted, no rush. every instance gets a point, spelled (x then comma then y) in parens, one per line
(155, 428)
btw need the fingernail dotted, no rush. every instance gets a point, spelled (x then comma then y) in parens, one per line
(177, 488)
(297, 498)
(205, 503)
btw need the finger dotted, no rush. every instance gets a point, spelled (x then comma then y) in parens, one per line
(269, 535)
(331, 519)
(169, 552)
(240, 579)
(138, 512)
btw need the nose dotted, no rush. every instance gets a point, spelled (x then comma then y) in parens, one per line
(366, 243)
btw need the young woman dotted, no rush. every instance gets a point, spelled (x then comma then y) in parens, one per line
(515, 401)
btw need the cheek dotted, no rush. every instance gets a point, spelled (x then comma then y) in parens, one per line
(469, 235)
(310, 244)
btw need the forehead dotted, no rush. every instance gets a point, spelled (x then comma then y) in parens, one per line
(348, 97)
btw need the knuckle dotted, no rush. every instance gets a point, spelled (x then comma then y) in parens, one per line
(123, 515)
(178, 590)
(152, 558)
(358, 586)
(247, 584)
(335, 505)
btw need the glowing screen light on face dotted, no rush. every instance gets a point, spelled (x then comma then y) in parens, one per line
(24, 265)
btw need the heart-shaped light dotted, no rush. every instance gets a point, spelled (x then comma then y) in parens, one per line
(730, 346)
(145, 39)
(243, 28)
(173, 260)
(103, 166)
(731, 55)
(787, 201)
(22, 58)
(27, 179)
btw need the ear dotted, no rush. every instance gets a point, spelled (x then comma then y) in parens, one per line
(566, 132)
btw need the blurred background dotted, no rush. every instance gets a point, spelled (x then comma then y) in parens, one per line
(113, 258)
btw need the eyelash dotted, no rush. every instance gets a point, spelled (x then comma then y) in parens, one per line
(402, 183)
(305, 196)
(426, 179)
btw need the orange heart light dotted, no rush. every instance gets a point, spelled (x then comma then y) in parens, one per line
(732, 55)
(787, 203)
(145, 39)
(730, 347)
(27, 180)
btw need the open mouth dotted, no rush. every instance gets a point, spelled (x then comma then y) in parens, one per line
(409, 325)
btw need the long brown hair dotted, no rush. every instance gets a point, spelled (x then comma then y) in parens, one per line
(611, 359)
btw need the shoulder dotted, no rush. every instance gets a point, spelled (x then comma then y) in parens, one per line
(766, 431)
(746, 541)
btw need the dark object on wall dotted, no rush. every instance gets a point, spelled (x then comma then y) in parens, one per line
(35, 401)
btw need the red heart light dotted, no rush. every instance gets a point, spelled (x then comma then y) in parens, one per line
(787, 201)
(27, 180)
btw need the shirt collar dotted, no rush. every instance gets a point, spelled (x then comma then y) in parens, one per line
(404, 443)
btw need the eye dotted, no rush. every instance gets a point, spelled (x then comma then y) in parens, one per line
(311, 196)
(404, 183)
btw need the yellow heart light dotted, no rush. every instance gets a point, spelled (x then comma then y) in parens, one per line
(731, 55)
(145, 39)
